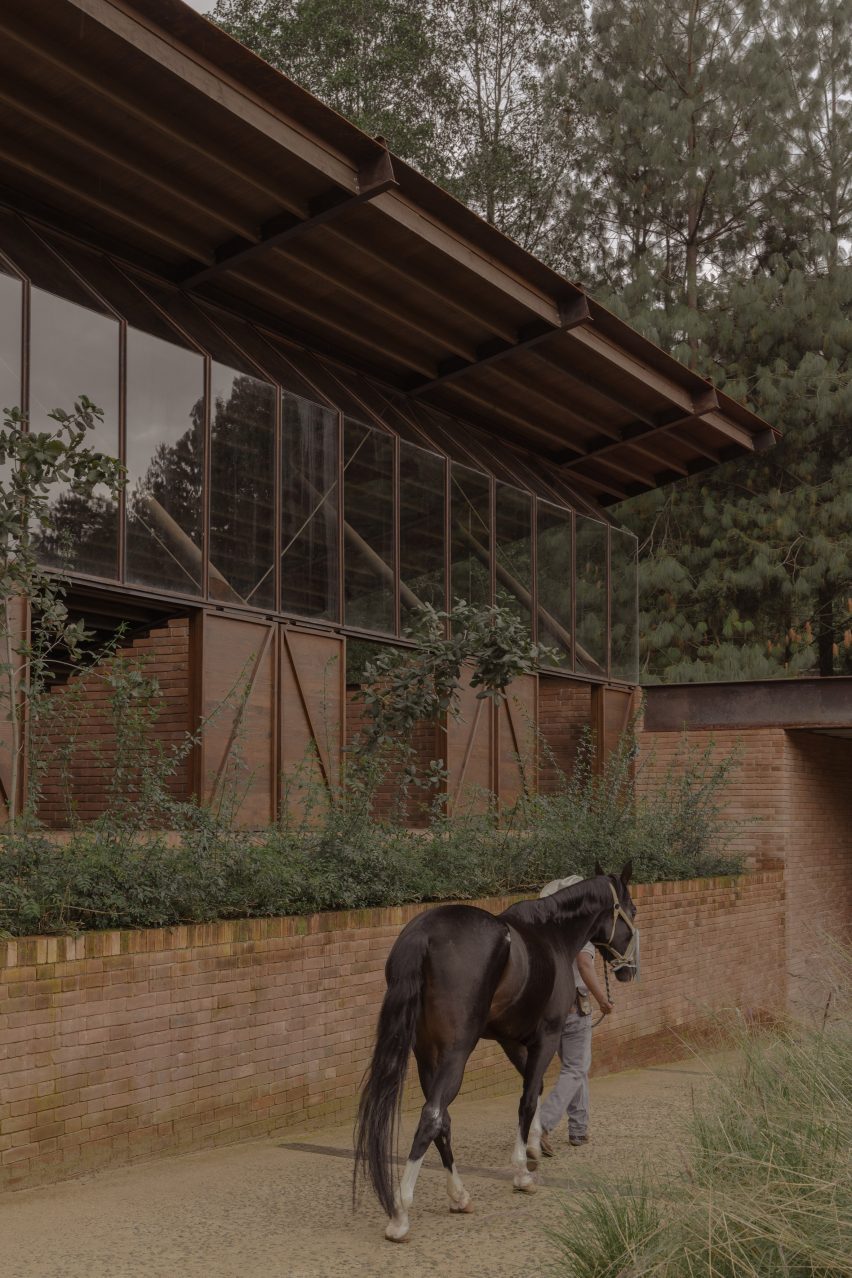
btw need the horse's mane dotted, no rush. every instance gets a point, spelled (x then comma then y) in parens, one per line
(566, 904)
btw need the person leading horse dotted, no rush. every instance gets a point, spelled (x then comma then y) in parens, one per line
(456, 974)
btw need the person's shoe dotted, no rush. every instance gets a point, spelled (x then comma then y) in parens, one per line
(578, 1140)
(546, 1145)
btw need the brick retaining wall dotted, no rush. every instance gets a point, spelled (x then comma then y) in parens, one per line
(791, 792)
(117, 1045)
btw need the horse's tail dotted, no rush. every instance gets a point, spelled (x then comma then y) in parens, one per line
(381, 1093)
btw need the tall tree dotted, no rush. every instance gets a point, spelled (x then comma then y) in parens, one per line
(748, 572)
(676, 147)
(512, 150)
(378, 62)
(462, 89)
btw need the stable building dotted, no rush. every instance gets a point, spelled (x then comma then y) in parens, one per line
(338, 394)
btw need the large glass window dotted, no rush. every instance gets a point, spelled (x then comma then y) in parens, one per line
(368, 528)
(242, 488)
(591, 596)
(74, 351)
(554, 571)
(470, 548)
(624, 584)
(309, 510)
(513, 544)
(10, 341)
(165, 464)
(421, 529)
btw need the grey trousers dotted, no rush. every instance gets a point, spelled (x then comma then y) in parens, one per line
(570, 1094)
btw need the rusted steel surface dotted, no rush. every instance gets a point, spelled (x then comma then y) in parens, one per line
(146, 131)
(781, 703)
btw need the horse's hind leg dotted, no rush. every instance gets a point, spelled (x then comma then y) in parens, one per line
(528, 1136)
(517, 1054)
(459, 1197)
(434, 1123)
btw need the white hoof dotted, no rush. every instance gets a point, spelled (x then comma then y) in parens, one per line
(397, 1231)
(525, 1184)
(462, 1204)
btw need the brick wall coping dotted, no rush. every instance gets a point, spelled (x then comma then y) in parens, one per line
(35, 951)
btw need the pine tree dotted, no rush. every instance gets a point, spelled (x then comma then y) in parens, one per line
(676, 147)
(749, 571)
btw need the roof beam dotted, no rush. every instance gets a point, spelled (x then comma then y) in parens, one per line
(571, 313)
(636, 437)
(217, 87)
(146, 115)
(373, 180)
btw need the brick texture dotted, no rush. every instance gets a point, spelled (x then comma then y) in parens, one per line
(564, 710)
(118, 1045)
(791, 798)
(429, 744)
(76, 780)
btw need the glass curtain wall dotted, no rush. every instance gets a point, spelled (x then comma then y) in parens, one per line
(591, 588)
(11, 302)
(422, 534)
(369, 582)
(74, 351)
(310, 552)
(165, 464)
(470, 535)
(513, 551)
(245, 488)
(554, 571)
(624, 599)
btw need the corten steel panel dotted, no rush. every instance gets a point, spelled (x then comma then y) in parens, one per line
(781, 703)
(311, 709)
(612, 709)
(17, 620)
(470, 752)
(239, 694)
(516, 721)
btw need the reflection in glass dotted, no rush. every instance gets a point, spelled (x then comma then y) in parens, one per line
(368, 528)
(10, 341)
(553, 568)
(242, 489)
(421, 529)
(624, 621)
(470, 535)
(74, 352)
(513, 546)
(165, 463)
(309, 509)
(591, 596)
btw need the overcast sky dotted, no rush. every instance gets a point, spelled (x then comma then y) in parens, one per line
(203, 6)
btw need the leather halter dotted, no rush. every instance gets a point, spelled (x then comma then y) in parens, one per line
(630, 957)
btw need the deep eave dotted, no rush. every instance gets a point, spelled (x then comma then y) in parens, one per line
(143, 128)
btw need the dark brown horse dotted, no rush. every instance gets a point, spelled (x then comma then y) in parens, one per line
(457, 974)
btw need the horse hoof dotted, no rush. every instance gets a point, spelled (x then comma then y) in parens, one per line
(526, 1187)
(462, 1208)
(397, 1233)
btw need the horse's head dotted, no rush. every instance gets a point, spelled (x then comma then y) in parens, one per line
(618, 937)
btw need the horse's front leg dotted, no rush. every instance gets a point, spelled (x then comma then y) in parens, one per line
(539, 1056)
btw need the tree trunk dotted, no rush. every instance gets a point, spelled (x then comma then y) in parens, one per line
(825, 632)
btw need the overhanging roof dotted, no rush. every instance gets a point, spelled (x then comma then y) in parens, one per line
(810, 703)
(142, 127)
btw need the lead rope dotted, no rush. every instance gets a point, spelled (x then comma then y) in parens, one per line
(596, 1023)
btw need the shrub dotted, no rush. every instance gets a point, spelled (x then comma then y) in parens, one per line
(769, 1190)
(117, 872)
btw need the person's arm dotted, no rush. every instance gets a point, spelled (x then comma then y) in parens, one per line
(586, 968)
